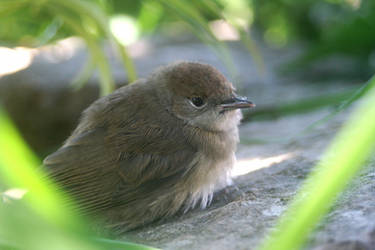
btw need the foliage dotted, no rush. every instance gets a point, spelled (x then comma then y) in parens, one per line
(326, 26)
(46, 21)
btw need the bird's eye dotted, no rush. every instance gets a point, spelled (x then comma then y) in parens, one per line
(197, 101)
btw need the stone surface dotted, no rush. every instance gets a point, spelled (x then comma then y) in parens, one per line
(278, 170)
(267, 175)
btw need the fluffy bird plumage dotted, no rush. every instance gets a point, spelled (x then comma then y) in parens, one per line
(146, 151)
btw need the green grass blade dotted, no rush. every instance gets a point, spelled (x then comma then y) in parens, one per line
(77, 12)
(43, 219)
(126, 60)
(84, 75)
(339, 165)
(40, 212)
(93, 13)
(199, 26)
(299, 106)
(358, 93)
(94, 47)
(20, 168)
(249, 43)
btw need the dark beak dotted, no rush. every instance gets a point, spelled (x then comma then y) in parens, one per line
(237, 102)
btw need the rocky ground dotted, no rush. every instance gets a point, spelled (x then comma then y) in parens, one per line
(275, 171)
(267, 175)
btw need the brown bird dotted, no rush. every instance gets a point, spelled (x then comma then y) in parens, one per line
(150, 149)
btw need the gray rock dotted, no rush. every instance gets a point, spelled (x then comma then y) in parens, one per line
(278, 170)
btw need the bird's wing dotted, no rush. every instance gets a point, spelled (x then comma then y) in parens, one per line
(151, 158)
(84, 168)
(102, 170)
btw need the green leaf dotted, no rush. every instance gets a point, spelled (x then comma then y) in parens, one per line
(45, 218)
(199, 26)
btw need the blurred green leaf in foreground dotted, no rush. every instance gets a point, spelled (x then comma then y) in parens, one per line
(340, 164)
(42, 219)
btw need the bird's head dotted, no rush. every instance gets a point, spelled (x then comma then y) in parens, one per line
(200, 95)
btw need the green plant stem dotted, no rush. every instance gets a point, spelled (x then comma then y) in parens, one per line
(299, 106)
(84, 75)
(73, 13)
(126, 60)
(98, 56)
(98, 17)
(249, 43)
(200, 28)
